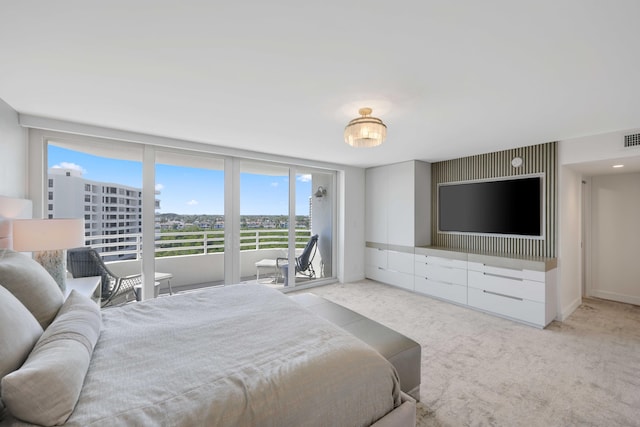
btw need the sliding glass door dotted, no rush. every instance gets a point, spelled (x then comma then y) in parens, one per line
(264, 222)
(190, 220)
(101, 183)
(208, 220)
(314, 225)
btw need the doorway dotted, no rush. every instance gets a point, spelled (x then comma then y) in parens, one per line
(612, 233)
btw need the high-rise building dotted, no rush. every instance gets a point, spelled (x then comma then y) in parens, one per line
(108, 210)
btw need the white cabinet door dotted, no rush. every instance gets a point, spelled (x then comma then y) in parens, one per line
(400, 261)
(446, 291)
(376, 257)
(376, 205)
(528, 311)
(401, 203)
(508, 286)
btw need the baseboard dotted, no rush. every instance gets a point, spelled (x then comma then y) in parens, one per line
(353, 278)
(566, 311)
(613, 296)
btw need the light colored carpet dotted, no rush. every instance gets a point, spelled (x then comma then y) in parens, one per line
(481, 370)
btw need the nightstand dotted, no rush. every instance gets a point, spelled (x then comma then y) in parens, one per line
(87, 286)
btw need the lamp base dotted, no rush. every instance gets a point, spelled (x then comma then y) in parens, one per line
(55, 264)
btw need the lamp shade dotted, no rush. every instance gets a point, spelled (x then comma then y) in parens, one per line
(365, 131)
(47, 234)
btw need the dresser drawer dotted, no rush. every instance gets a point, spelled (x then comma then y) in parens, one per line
(512, 287)
(446, 291)
(402, 280)
(525, 310)
(376, 257)
(400, 261)
(445, 262)
(441, 273)
(536, 276)
(390, 277)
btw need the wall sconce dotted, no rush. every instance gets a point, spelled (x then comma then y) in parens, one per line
(321, 192)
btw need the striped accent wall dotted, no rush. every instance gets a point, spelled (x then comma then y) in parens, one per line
(540, 158)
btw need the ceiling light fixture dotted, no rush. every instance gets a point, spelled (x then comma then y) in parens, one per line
(365, 131)
(618, 166)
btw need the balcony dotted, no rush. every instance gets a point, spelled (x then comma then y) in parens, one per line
(196, 258)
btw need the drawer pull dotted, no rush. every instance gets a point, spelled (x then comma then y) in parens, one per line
(504, 268)
(439, 281)
(502, 295)
(503, 276)
(440, 265)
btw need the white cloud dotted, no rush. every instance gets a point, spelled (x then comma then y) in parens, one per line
(72, 166)
(159, 187)
(192, 202)
(274, 184)
(304, 178)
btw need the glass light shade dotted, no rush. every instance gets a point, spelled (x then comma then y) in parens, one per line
(365, 131)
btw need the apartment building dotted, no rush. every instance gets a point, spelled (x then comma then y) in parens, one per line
(112, 212)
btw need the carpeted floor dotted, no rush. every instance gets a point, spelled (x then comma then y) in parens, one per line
(481, 370)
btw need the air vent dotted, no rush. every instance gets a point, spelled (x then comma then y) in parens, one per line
(632, 140)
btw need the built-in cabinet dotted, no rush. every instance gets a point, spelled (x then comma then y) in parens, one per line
(442, 277)
(519, 288)
(398, 204)
(392, 265)
(398, 227)
(523, 290)
(398, 218)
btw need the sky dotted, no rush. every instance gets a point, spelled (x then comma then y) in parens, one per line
(190, 191)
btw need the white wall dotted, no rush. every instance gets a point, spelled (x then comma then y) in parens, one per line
(351, 218)
(569, 242)
(615, 237)
(13, 153)
(592, 148)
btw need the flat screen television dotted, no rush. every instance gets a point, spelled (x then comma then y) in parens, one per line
(511, 206)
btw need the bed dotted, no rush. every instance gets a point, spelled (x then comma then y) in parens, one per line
(240, 355)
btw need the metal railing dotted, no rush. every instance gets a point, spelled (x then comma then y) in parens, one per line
(129, 246)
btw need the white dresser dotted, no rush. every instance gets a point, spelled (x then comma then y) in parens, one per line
(518, 288)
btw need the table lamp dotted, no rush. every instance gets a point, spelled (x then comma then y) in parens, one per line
(49, 238)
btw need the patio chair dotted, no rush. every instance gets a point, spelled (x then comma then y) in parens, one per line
(86, 262)
(304, 264)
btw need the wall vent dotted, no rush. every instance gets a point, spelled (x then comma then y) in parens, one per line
(632, 140)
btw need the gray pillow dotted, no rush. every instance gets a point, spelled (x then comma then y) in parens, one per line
(46, 388)
(19, 331)
(31, 284)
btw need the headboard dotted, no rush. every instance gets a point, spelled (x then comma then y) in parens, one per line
(11, 208)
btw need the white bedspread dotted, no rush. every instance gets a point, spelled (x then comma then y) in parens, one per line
(242, 355)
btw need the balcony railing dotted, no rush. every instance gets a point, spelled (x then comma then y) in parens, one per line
(129, 246)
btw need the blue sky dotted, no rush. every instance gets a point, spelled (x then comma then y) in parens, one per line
(191, 190)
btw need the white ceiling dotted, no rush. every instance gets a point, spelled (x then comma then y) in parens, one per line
(449, 78)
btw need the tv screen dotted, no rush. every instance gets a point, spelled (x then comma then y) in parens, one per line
(510, 206)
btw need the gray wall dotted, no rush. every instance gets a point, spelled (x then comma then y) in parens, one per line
(540, 158)
(13, 153)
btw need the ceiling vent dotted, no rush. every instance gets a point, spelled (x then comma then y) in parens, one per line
(632, 140)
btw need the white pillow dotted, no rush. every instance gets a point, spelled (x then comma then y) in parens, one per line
(46, 388)
(19, 331)
(31, 284)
